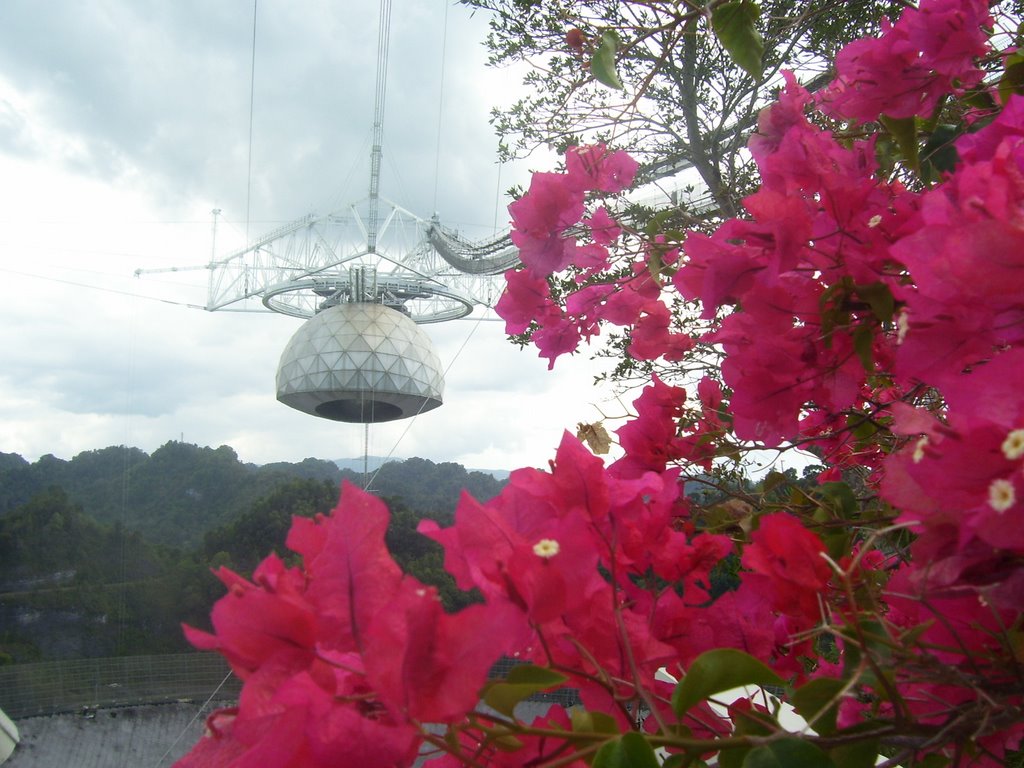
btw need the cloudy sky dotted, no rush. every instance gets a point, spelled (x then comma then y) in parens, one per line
(124, 123)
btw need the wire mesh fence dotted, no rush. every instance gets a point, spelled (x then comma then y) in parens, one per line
(567, 697)
(51, 687)
(74, 685)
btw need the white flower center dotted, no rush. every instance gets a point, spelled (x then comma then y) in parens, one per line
(919, 449)
(1001, 495)
(545, 548)
(1013, 445)
(875, 220)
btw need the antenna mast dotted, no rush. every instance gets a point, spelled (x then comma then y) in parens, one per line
(383, 36)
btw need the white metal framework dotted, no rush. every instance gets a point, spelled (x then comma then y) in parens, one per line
(417, 266)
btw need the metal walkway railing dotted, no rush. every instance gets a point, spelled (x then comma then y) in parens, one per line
(50, 687)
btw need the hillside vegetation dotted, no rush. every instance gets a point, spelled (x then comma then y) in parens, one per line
(108, 552)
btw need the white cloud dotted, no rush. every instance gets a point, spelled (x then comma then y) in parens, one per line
(122, 124)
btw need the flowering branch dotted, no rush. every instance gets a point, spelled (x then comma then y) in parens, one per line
(875, 321)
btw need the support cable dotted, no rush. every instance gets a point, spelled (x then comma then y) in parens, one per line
(497, 199)
(252, 102)
(440, 107)
(195, 717)
(412, 420)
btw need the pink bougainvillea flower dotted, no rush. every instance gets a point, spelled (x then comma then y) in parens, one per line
(530, 546)
(709, 392)
(350, 573)
(981, 146)
(430, 665)
(874, 74)
(544, 254)
(540, 218)
(931, 51)
(882, 327)
(307, 718)
(551, 204)
(590, 257)
(690, 562)
(960, 484)
(717, 271)
(650, 440)
(555, 339)
(651, 338)
(596, 168)
(603, 228)
(787, 559)
(217, 748)
(327, 656)
(526, 299)
(255, 621)
(950, 35)
(966, 255)
(555, 202)
(742, 619)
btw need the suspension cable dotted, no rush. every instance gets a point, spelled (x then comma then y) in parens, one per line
(440, 107)
(412, 420)
(383, 38)
(252, 102)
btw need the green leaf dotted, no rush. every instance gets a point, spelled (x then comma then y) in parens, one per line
(879, 298)
(659, 222)
(904, 130)
(655, 264)
(683, 760)
(592, 722)
(864, 346)
(843, 501)
(602, 65)
(520, 683)
(862, 427)
(874, 637)
(851, 659)
(748, 723)
(716, 671)
(506, 742)
(816, 703)
(733, 757)
(861, 754)
(631, 750)
(1015, 638)
(939, 151)
(787, 753)
(979, 97)
(838, 543)
(1012, 80)
(734, 24)
(772, 481)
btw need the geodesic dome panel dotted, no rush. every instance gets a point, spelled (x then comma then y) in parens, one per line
(362, 363)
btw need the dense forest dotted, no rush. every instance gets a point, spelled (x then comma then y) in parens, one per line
(105, 554)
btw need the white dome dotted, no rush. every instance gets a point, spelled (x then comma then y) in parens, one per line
(360, 363)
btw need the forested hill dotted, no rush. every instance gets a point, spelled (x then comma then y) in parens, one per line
(107, 553)
(180, 491)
